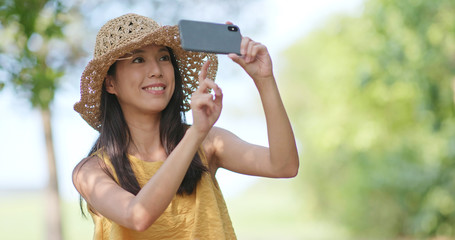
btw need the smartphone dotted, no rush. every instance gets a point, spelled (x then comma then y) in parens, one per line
(210, 37)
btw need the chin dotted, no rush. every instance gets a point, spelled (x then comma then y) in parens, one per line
(156, 109)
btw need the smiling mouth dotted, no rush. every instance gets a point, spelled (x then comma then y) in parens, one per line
(161, 88)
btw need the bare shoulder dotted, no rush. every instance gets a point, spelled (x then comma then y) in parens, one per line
(85, 170)
(87, 164)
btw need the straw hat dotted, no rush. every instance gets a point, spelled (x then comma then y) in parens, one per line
(122, 35)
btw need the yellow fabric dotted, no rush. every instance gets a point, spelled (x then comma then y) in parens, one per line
(201, 215)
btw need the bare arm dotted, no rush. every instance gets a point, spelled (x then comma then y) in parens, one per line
(281, 158)
(140, 211)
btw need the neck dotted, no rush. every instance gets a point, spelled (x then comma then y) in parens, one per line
(145, 134)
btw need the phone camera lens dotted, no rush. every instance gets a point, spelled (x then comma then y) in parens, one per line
(233, 28)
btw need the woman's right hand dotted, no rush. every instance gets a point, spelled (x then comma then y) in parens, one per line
(205, 107)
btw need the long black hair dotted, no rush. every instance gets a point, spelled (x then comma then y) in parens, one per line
(115, 136)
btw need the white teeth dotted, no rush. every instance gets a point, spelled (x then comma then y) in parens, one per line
(154, 88)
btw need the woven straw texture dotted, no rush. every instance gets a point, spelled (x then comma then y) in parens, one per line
(123, 35)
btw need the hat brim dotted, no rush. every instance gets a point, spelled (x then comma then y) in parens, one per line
(189, 64)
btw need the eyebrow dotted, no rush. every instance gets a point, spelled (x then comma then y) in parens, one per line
(137, 51)
(163, 49)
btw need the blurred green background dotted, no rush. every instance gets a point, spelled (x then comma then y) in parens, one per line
(368, 86)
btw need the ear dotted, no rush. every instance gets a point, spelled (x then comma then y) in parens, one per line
(109, 83)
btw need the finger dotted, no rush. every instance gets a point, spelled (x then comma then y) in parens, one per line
(256, 49)
(218, 96)
(205, 85)
(244, 45)
(217, 90)
(237, 59)
(229, 23)
(233, 56)
(202, 77)
(201, 99)
(249, 56)
(209, 84)
(203, 102)
(204, 70)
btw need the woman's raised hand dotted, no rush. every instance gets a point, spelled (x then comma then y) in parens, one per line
(206, 108)
(255, 59)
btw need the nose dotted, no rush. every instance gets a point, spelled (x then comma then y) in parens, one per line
(154, 69)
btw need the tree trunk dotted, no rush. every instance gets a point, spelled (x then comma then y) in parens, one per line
(53, 215)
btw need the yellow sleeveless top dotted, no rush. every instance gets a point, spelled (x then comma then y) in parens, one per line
(201, 215)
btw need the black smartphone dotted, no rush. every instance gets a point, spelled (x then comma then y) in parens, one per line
(210, 37)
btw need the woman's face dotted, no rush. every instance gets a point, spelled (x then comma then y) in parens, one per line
(144, 80)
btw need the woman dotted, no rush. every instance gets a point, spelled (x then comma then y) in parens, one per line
(149, 175)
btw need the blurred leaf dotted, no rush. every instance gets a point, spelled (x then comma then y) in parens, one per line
(372, 106)
(30, 74)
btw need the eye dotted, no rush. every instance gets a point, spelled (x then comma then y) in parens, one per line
(138, 60)
(165, 58)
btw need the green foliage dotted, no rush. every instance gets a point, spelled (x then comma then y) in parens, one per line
(372, 103)
(24, 23)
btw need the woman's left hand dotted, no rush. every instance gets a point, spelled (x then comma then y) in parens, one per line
(255, 60)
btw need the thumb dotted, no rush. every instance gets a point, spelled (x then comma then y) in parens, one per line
(238, 59)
